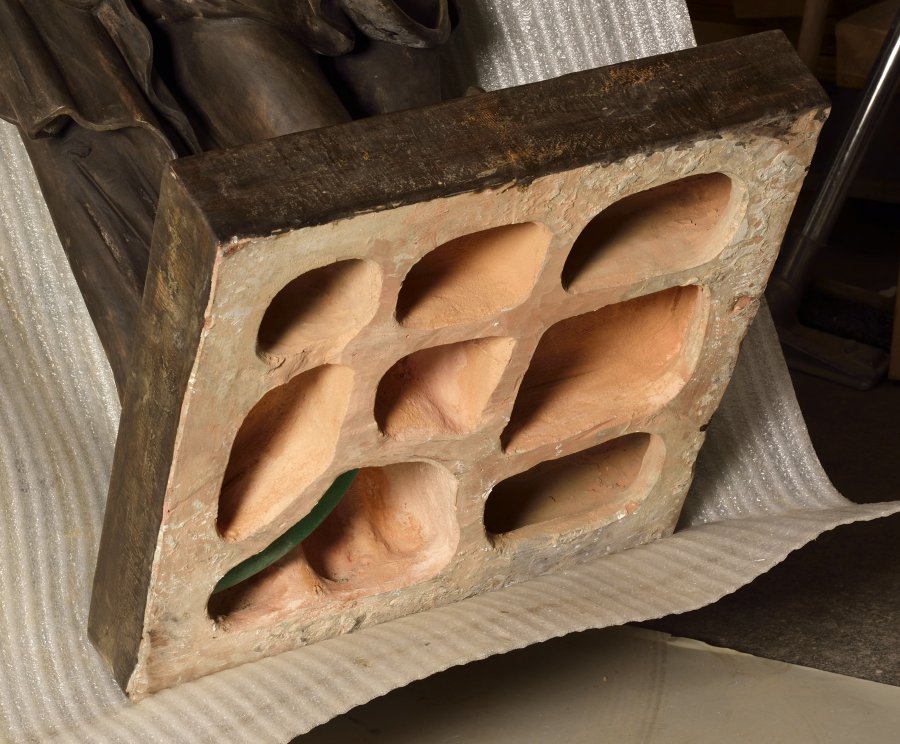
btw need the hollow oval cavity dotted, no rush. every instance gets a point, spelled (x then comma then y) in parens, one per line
(663, 230)
(473, 277)
(325, 307)
(394, 527)
(442, 390)
(588, 489)
(608, 367)
(286, 441)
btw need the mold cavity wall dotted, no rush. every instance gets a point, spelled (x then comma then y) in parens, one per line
(286, 441)
(607, 367)
(473, 277)
(663, 230)
(586, 489)
(443, 390)
(326, 307)
(395, 526)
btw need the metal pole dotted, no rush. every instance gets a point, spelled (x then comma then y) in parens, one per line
(805, 349)
(796, 258)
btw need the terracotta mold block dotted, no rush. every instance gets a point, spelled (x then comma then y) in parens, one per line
(513, 313)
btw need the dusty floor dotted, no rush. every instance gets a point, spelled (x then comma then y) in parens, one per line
(629, 686)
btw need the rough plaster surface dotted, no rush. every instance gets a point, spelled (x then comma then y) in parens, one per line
(493, 364)
(758, 493)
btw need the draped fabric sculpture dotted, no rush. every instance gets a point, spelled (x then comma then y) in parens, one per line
(106, 92)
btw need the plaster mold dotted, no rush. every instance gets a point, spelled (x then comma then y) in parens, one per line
(519, 346)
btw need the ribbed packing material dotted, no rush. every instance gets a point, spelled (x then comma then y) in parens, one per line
(759, 491)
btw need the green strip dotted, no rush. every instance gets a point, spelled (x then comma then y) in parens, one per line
(290, 539)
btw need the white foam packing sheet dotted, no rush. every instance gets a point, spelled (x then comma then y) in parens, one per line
(759, 491)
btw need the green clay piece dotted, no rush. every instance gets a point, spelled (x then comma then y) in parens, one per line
(290, 539)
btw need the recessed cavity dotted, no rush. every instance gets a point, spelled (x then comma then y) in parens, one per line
(474, 277)
(663, 230)
(607, 367)
(284, 443)
(441, 390)
(396, 526)
(587, 489)
(325, 306)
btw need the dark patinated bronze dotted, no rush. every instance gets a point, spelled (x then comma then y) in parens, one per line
(106, 92)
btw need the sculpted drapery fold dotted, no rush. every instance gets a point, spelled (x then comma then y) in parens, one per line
(107, 92)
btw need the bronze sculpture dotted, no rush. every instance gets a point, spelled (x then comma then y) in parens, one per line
(107, 92)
